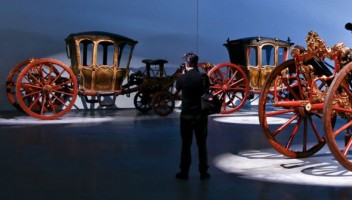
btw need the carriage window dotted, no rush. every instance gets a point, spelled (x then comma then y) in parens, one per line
(268, 55)
(124, 54)
(68, 52)
(105, 53)
(86, 51)
(282, 55)
(252, 56)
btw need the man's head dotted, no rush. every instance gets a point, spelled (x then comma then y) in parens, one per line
(191, 59)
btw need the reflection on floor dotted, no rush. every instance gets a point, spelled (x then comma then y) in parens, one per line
(123, 154)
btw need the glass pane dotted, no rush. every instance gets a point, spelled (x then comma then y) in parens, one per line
(281, 54)
(124, 55)
(268, 55)
(105, 53)
(252, 56)
(86, 50)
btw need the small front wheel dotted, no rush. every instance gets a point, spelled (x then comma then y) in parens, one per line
(163, 103)
(143, 101)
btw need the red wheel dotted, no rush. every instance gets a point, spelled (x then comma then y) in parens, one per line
(46, 89)
(230, 83)
(338, 103)
(11, 83)
(291, 130)
(163, 103)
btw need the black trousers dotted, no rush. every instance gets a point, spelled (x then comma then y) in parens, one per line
(197, 125)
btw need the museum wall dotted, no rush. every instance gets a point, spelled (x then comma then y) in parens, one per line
(164, 29)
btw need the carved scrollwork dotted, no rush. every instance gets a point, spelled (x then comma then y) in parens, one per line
(342, 100)
(317, 48)
(341, 52)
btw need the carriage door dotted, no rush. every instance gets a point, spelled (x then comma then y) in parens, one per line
(86, 66)
(267, 62)
(124, 55)
(105, 67)
(253, 67)
(282, 53)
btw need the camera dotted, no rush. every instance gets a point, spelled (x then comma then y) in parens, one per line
(183, 68)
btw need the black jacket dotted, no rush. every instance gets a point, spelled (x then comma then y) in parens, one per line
(193, 85)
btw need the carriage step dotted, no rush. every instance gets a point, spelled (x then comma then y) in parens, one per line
(91, 100)
(250, 96)
(104, 100)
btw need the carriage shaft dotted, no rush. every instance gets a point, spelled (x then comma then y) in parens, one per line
(308, 106)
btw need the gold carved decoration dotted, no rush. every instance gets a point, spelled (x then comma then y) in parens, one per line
(317, 48)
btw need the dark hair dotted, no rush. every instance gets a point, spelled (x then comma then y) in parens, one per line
(192, 59)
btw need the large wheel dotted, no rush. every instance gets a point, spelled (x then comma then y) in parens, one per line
(143, 101)
(230, 83)
(338, 104)
(46, 89)
(11, 83)
(163, 103)
(293, 131)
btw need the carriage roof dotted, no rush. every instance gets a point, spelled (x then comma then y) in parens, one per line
(257, 41)
(238, 48)
(98, 35)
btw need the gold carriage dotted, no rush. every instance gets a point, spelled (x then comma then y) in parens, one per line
(100, 63)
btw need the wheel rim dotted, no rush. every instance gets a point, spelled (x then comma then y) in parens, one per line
(11, 83)
(46, 89)
(143, 101)
(338, 103)
(297, 133)
(163, 103)
(230, 83)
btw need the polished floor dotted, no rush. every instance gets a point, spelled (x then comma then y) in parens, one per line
(123, 154)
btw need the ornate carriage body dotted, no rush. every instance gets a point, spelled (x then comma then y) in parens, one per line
(101, 61)
(258, 56)
(252, 59)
